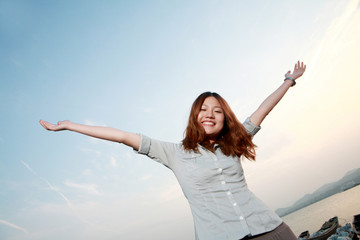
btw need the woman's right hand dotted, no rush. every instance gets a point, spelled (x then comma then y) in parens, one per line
(62, 125)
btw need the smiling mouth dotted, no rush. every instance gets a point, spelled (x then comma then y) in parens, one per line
(207, 123)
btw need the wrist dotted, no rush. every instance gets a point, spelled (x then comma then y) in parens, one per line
(69, 125)
(290, 79)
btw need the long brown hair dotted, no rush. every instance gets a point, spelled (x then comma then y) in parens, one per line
(233, 139)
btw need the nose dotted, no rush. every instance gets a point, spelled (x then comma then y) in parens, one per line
(210, 114)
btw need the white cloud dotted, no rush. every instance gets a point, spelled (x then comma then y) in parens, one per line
(16, 63)
(91, 151)
(171, 193)
(12, 225)
(325, 126)
(87, 172)
(145, 177)
(90, 188)
(148, 110)
(120, 215)
(333, 32)
(113, 162)
(55, 189)
(128, 156)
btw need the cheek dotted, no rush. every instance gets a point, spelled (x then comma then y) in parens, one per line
(198, 117)
(222, 122)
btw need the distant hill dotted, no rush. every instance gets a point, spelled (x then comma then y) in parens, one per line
(351, 179)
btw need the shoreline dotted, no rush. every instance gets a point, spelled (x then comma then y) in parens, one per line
(344, 205)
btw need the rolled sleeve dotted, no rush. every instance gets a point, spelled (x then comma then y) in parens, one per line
(144, 147)
(250, 127)
(161, 152)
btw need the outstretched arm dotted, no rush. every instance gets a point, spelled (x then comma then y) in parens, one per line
(270, 102)
(106, 133)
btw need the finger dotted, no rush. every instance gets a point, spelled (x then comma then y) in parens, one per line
(48, 126)
(44, 124)
(300, 65)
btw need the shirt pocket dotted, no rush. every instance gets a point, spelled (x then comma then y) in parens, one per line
(201, 168)
(231, 165)
(190, 160)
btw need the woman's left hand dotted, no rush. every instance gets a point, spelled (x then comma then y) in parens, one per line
(299, 70)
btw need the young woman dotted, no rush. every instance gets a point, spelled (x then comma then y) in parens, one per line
(208, 167)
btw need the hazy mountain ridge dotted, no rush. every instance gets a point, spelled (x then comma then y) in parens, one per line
(351, 179)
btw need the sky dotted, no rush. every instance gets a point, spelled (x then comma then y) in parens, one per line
(138, 66)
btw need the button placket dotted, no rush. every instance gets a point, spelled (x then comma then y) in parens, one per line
(227, 190)
(223, 182)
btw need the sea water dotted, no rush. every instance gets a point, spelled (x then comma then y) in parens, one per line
(344, 205)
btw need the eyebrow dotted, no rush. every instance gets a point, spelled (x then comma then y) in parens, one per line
(214, 107)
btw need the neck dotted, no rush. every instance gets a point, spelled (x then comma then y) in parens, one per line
(208, 144)
(210, 139)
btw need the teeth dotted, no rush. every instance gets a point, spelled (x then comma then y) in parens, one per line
(209, 123)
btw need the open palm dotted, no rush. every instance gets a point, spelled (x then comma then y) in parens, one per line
(299, 70)
(52, 127)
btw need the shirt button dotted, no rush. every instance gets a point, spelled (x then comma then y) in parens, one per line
(220, 170)
(228, 193)
(234, 204)
(241, 218)
(223, 182)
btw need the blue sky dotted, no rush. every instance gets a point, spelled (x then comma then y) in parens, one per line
(138, 66)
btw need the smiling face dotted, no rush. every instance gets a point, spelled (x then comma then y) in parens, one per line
(211, 117)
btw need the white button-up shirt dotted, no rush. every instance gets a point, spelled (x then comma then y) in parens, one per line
(221, 204)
